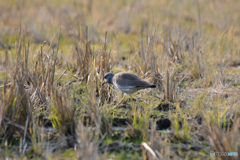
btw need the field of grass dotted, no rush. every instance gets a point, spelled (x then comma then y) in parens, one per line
(54, 54)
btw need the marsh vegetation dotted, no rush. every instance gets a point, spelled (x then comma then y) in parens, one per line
(54, 56)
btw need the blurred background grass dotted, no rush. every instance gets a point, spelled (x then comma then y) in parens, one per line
(216, 21)
(41, 18)
(194, 44)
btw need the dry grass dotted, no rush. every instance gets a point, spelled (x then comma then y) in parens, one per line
(54, 56)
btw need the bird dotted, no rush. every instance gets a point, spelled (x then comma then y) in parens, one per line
(126, 82)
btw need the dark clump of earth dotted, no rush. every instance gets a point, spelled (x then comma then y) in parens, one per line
(165, 106)
(153, 116)
(116, 122)
(87, 121)
(228, 124)
(197, 147)
(163, 123)
(42, 121)
(198, 119)
(180, 123)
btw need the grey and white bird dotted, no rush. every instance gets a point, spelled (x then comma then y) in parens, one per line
(127, 83)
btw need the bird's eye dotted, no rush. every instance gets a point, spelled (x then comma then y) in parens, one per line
(105, 77)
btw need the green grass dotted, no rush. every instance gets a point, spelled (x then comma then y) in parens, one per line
(203, 76)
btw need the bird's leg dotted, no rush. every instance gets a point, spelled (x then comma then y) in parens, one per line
(131, 99)
(133, 110)
(120, 101)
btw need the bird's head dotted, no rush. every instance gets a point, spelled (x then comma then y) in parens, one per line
(108, 78)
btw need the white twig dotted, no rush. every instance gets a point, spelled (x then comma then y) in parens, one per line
(25, 131)
(24, 149)
(9, 84)
(146, 146)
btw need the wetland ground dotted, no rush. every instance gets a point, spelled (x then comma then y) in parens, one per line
(54, 54)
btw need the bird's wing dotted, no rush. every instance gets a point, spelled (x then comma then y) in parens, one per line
(129, 80)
